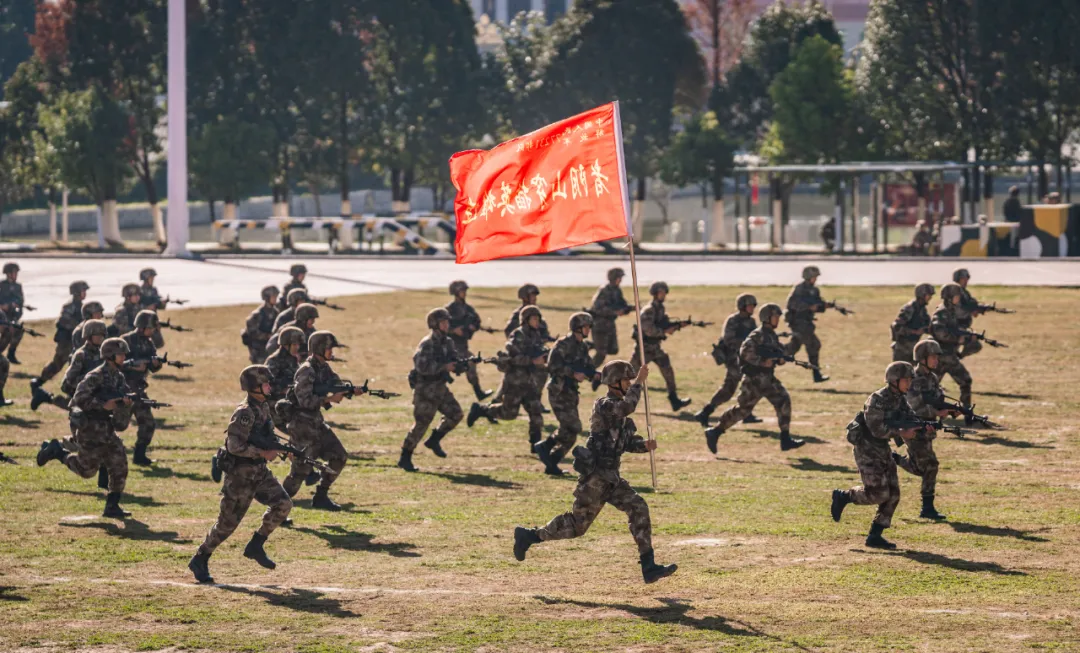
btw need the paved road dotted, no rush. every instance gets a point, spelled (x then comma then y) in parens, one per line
(226, 281)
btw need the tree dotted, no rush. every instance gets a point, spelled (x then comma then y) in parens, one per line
(720, 28)
(12, 187)
(16, 22)
(230, 158)
(701, 153)
(515, 88)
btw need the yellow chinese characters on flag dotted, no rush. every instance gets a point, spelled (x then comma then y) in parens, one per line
(558, 187)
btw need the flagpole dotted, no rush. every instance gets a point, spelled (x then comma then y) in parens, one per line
(633, 278)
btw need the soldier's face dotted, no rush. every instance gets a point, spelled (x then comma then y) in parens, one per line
(617, 281)
(329, 354)
(530, 299)
(661, 295)
(97, 340)
(300, 277)
(963, 281)
(294, 349)
(96, 315)
(150, 280)
(774, 321)
(132, 298)
(932, 361)
(462, 294)
(273, 298)
(625, 384)
(750, 308)
(444, 326)
(585, 331)
(82, 295)
(903, 385)
(310, 324)
(955, 300)
(12, 276)
(534, 322)
(148, 331)
(119, 359)
(812, 281)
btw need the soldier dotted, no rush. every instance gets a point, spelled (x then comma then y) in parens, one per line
(7, 331)
(150, 300)
(870, 435)
(70, 317)
(737, 326)
(946, 330)
(611, 433)
(568, 364)
(100, 408)
(911, 324)
(296, 297)
(90, 311)
(306, 314)
(528, 294)
(260, 326)
(802, 304)
(124, 316)
(85, 358)
(11, 287)
(608, 304)
(435, 359)
(525, 354)
(759, 380)
(924, 396)
(246, 477)
(283, 364)
(308, 429)
(966, 312)
(297, 271)
(464, 323)
(657, 327)
(144, 360)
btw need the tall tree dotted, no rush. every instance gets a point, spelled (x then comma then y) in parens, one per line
(16, 23)
(720, 28)
(701, 153)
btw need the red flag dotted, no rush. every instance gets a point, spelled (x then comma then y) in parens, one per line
(560, 186)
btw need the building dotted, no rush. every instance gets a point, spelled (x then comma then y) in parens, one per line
(502, 11)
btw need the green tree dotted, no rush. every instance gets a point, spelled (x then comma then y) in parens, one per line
(230, 159)
(12, 187)
(703, 154)
(16, 23)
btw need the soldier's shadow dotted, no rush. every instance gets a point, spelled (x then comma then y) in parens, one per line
(18, 422)
(775, 435)
(959, 564)
(345, 507)
(998, 531)
(481, 480)
(811, 465)
(1006, 395)
(1009, 442)
(834, 391)
(174, 378)
(20, 375)
(146, 502)
(7, 595)
(340, 426)
(132, 529)
(338, 537)
(293, 598)
(160, 471)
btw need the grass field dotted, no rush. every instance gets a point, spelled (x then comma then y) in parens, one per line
(423, 561)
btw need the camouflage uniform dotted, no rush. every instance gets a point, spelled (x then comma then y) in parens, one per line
(246, 477)
(758, 381)
(611, 433)
(945, 329)
(308, 429)
(96, 436)
(965, 317)
(142, 348)
(431, 393)
(873, 456)
(737, 327)
(654, 320)
(87, 358)
(568, 353)
(519, 386)
(283, 366)
(7, 333)
(464, 316)
(923, 396)
(70, 317)
(124, 319)
(907, 328)
(257, 331)
(803, 302)
(150, 300)
(607, 304)
(13, 289)
(538, 374)
(283, 298)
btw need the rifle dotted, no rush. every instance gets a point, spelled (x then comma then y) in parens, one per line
(381, 394)
(164, 360)
(589, 371)
(323, 302)
(689, 321)
(135, 397)
(5, 459)
(178, 302)
(982, 337)
(462, 324)
(993, 308)
(970, 417)
(175, 327)
(27, 330)
(839, 309)
(784, 334)
(920, 425)
(265, 439)
(775, 353)
(28, 308)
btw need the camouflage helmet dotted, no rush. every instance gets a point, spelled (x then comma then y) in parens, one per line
(305, 312)
(296, 269)
(744, 300)
(657, 287)
(253, 377)
(924, 290)
(113, 346)
(950, 290)
(960, 273)
(898, 370)
(926, 349)
(77, 287)
(768, 311)
(146, 273)
(579, 320)
(528, 313)
(810, 271)
(146, 319)
(435, 315)
(268, 292)
(290, 336)
(320, 341)
(458, 286)
(92, 328)
(129, 290)
(11, 267)
(296, 297)
(89, 308)
(526, 290)
(615, 273)
(615, 371)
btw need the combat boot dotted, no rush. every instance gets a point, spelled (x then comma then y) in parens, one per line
(322, 501)
(787, 443)
(112, 507)
(703, 415)
(200, 567)
(51, 450)
(544, 410)
(551, 463)
(819, 377)
(38, 397)
(254, 551)
(875, 541)
(103, 478)
(653, 572)
(928, 510)
(313, 477)
(481, 394)
(3, 401)
(476, 411)
(677, 403)
(840, 499)
(712, 435)
(11, 357)
(534, 438)
(752, 419)
(139, 455)
(523, 539)
(405, 462)
(35, 382)
(433, 443)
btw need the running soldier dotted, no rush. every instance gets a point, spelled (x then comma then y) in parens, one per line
(912, 323)
(90, 311)
(608, 304)
(759, 355)
(436, 358)
(85, 358)
(924, 396)
(966, 312)
(296, 297)
(306, 314)
(656, 327)
(99, 408)
(144, 360)
(70, 317)
(737, 327)
(802, 304)
(246, 477)
(525, 356)
(568, 364)
(948, 333)
(464, 323)
(283, 364)
(7, 332)
(611, 433)
(150, 300)
(528, 294)
(124, 316)
(297, 271)
(308, 429)
(870, 435)
(11, 287)
(260, 326)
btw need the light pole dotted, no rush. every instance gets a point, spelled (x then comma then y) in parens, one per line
(177, 117)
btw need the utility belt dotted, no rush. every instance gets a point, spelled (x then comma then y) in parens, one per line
(757, 370)
(229, 463)
(416, 378)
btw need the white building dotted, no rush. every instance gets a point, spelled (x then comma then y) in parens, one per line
(502, 11)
